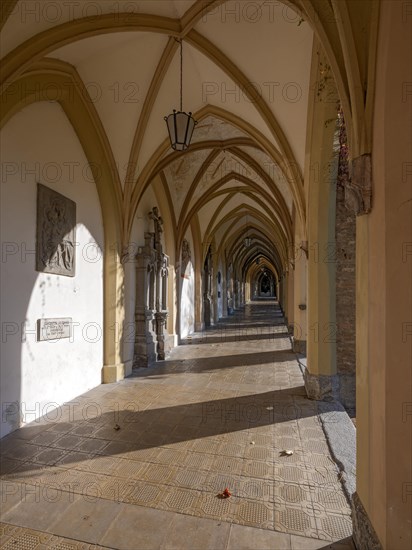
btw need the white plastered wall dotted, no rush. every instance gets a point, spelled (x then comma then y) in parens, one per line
(187, 294)
(39, 145)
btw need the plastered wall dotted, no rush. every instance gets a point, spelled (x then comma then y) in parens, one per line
(39, 145)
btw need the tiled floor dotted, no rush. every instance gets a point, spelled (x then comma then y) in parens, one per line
(140, 464)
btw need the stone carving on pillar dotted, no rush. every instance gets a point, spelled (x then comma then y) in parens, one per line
(151, 297)
(145, 337)
(358, 191)
(161, 307)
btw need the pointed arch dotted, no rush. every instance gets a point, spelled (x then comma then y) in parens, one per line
(72, 96)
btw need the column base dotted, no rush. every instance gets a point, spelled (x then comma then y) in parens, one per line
(114, 373)
(347, 390)
(128, 367)
(172, 342)
(321, 387)
(364, 534)
(299, 346)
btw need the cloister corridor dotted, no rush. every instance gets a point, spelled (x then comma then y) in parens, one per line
(206, 274)
(140, 463)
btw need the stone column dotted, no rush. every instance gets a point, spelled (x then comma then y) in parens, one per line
(207, 291)
(199, 318)
(345, 283)
(223, 290)
(229, 290)
(321, 380)
(281, 285)
(161, 315)
(114, 368)
(162, 344)
(300, 300)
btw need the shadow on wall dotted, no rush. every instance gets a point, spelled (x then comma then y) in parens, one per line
(33, 353)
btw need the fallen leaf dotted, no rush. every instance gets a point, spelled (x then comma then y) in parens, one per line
(286, 453)
(226, 494)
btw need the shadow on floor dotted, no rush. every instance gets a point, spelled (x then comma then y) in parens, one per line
(243, 335)
(131, 429)
(210, 364)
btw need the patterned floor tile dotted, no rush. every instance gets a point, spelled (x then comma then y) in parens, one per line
(295, 521)
(159, 473)
(227, 465)
(334, 527)
(329, 498)
(211, 506)
(255, 513)
(180, 500)
(144, 494)
(199, 461)
(261, 470)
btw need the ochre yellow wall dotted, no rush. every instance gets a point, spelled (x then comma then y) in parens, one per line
(384, 299)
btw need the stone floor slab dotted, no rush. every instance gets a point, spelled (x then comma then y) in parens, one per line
(37, 506)
(136, 527)
(192, 533)
(248, 538)
(85, 519)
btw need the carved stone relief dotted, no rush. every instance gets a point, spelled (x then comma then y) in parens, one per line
(152, 268)
(56, 232)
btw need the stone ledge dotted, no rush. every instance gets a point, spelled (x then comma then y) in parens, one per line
(340, 435)
(364, 534)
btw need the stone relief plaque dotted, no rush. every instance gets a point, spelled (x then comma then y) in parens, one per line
(54, 328)
(56, 232)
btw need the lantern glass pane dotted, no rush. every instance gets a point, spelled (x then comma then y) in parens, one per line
(181, 126)
(170, 121)
(190, 128)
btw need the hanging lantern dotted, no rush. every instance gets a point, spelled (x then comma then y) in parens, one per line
(180, 125)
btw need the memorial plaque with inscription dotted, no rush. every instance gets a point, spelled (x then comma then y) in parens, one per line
(54, 328)
(56, 232)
